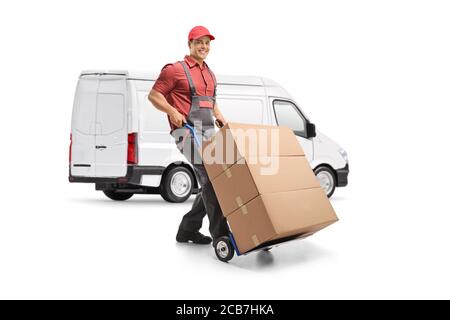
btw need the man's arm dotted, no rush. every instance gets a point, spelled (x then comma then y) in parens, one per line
(218, 115)
(160, 103)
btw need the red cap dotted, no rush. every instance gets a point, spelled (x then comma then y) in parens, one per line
(198, 32)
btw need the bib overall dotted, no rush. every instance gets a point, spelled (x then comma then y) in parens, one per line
(201, 118)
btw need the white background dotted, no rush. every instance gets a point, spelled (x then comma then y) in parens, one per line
(372, 75)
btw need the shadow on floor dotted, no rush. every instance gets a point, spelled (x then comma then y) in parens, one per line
(294, 253)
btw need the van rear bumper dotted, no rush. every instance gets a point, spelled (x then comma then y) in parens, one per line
(133, 175)
(342, 176)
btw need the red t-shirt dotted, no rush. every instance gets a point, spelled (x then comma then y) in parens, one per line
(174, 86)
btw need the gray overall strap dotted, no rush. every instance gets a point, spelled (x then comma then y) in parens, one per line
(191, 82)
(214, 80)
(188, 75)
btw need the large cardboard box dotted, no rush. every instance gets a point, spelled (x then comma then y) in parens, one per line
(265, 185)
(235, 141)
(242, 182)
(279, 215)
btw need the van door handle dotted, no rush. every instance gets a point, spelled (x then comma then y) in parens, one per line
(100, 147)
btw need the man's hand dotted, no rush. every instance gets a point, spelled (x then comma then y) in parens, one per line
(220, 121)
(177, 119)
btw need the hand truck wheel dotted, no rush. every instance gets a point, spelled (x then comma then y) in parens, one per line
(224, 249)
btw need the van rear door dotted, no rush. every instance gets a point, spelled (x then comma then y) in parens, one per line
(99, 127)
(83, 127)
(111, 127)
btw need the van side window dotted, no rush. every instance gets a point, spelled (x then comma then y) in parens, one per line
(241, 110)
(287, 114)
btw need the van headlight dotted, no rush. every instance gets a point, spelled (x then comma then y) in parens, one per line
(343, 154)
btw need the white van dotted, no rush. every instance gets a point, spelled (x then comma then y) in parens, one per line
(121, 142)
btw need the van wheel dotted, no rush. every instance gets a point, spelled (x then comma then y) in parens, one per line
(327, 179)
(118, 196)
(177, 184)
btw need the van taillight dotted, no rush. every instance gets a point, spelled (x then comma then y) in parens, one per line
(70, 150)
(132, 148)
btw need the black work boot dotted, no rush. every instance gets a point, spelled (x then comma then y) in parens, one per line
(194, 237)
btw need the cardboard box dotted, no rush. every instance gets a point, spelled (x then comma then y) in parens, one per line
(241, 183)
(263, 207)
(235, 141)
(278, 215)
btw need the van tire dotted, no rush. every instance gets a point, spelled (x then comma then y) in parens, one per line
(168, 189)
(327, 176)
(117, 196)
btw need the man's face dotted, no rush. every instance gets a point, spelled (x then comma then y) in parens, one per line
(200, 47)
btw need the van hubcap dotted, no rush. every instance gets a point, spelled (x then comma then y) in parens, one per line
(325, 181)
(180, 184)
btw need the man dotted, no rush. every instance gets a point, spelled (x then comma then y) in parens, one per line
(186, 91)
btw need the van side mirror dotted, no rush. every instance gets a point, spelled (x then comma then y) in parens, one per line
(310, 130)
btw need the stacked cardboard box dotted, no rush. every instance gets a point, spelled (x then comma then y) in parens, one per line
(265, 185)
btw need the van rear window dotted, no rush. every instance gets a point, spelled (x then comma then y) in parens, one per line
(97, 113)
(83, 117)
(110, 113)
